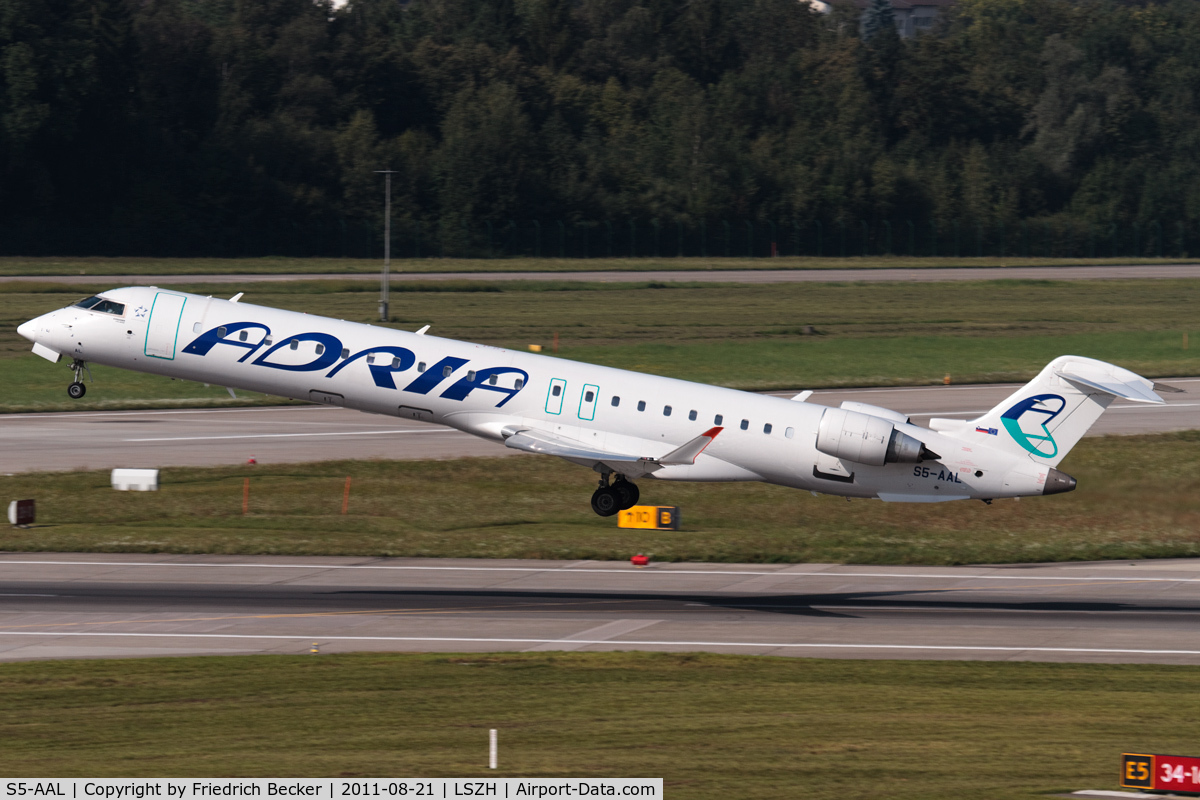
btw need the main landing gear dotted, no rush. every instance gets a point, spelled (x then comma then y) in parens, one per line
(616, 496)
(77, 390)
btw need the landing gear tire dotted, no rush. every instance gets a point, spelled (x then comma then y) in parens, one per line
(628, 492)
(76, 390)
(606, 501)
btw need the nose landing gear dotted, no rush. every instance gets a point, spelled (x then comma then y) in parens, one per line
(77, 390)
(617, 496)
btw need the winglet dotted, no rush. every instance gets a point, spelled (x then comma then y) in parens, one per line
(688, 453)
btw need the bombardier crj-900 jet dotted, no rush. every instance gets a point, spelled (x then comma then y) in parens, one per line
(624, 425)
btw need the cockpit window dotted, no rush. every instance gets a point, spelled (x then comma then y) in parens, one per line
(102, 305)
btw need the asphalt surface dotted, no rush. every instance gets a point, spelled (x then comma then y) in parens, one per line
(906, 275)
(210, 437)
(89, 605)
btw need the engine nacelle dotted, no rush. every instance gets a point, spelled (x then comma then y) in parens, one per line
(874, 411)
(867, 439)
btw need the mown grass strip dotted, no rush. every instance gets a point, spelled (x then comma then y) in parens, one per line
(1138, 497)
(712, 726)
(12, 266)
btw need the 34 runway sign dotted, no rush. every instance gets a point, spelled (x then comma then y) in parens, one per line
(1179, 774)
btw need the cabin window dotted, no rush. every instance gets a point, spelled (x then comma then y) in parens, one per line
(295, 344)
(370, 358)
(745, 424)
(641, 405)
(320, 348)
(446, 370)
(345, 352)
(195, 327)
(471, 376)
(221, 331)
(421, 367)
(492, 380)
(519, 383)
(767, 428)
(267, 341)
(718, 419)
(666, 411)
(692, 415)
(242, 336)
(556, 390)
(616, 401)
(788, 433)
(589, 397)
(396, 362)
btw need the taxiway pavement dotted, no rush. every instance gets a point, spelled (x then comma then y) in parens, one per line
(885, 274)
(91, 605)
(211, 437)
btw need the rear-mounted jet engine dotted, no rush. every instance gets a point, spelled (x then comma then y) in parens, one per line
(868, 439)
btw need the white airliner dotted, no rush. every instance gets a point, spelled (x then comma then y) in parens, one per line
(624, 425)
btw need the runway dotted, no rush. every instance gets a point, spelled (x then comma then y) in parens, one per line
(883, 274)
(90, 605)
(286, 434)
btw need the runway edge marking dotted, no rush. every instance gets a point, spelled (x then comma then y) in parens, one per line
(628, 571)
(807, 645)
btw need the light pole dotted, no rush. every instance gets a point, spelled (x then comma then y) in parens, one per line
(387, 243)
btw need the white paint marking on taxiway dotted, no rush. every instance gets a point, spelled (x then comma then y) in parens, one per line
(629, 571)
(285, 435)
(808, 645)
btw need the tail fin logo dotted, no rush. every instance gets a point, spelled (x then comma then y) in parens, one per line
(1037, 411)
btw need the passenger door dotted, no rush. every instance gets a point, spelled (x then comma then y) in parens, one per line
(162, 330)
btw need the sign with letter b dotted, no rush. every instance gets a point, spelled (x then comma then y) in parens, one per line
(660, 518)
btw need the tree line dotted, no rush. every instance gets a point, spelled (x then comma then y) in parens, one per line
(128, 124)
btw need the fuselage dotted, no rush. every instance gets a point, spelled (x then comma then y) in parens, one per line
(486, 391)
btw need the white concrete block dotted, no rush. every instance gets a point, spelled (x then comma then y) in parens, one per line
(135, 480)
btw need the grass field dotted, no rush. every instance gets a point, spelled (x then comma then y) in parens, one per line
(711, 726)
(746, 336)
(1138, 497)
(20, 266)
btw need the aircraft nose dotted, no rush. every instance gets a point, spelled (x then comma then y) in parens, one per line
(28, 330)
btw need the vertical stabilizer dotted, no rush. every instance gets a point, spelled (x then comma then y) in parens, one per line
(1046, 417)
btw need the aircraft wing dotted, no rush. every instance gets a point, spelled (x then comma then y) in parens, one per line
(535, 441)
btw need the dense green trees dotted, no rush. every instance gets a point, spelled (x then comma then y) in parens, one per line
(159, 119)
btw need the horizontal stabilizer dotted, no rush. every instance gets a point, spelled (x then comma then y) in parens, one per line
(1135, 389)
(687, 453)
